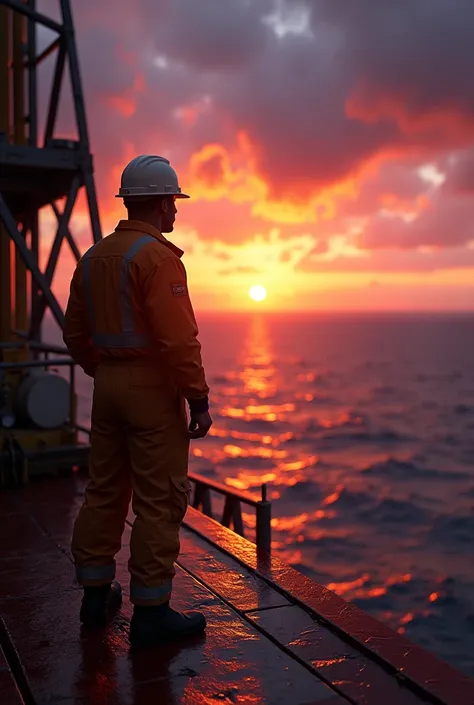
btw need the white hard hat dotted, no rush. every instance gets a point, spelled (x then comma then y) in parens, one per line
(149, 175)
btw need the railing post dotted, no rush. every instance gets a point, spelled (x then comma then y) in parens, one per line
(264, 526)
(233, 510)
(202, 498)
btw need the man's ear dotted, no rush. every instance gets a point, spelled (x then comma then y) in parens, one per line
(166, 207)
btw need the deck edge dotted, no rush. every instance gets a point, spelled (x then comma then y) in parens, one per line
(437, 679)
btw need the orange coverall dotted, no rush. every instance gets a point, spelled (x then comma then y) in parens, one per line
(130, 324)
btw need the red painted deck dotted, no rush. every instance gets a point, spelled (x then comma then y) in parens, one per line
(273, 635)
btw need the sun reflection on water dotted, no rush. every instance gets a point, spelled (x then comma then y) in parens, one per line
(275, 423)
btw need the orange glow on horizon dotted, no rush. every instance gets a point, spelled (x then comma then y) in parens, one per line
(269, 253)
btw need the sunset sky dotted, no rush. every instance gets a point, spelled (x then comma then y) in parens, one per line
(327, 144)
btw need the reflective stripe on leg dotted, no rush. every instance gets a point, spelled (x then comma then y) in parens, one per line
(142, 593)
(104, 573)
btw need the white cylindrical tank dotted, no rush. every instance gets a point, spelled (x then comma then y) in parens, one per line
(43, 399)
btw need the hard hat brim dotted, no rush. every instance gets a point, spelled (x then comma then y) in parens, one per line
(151, 195)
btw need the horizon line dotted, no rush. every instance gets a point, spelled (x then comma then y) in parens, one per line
(343, 312)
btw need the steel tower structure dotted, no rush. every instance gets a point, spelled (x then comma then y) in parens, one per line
(36, 171)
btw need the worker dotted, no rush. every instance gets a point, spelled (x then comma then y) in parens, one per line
(130, 325)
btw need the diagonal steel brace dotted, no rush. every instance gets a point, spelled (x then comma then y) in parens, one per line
(63, 227)
(30, 262)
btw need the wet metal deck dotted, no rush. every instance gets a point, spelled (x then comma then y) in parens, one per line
(273, 635)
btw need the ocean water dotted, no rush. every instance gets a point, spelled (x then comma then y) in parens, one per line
(363, 428)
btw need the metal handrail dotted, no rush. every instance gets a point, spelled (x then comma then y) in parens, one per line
(227, 491)
(33, 345)
(48, 362)
(232, 507)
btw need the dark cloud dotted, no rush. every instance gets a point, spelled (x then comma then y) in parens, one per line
(209, 35)
(288, 93)
(391, 79)
(418, 53)
(366, 91)
(292, 107)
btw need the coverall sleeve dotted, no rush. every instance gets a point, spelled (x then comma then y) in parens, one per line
(173, 324)
(76, 332)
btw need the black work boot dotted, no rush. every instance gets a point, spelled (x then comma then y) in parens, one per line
(158, 624)
(98, 601)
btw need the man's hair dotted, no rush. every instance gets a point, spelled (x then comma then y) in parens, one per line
(141, 204)
(135, 202)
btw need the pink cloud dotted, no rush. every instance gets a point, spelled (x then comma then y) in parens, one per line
(461, 174)
(445, 222)
(367, 94)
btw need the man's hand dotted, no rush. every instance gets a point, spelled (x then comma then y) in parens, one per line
(200, 424)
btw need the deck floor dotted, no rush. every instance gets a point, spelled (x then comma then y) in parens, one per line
(261, 646)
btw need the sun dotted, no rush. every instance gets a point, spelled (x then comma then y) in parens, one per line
(257, 293)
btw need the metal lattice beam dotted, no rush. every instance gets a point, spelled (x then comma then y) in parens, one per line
(72, 243)
(55, 93)
(40, 279)
(29, 12)
(62, 231)
(46, 52)
(34, 175)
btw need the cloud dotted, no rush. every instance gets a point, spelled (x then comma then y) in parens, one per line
(444, 222)
(460, 176)
(392, 261)
(208, 35)
(316, 105)
(414, 54)
(364, 83)
(315, 117)
(395, 186)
